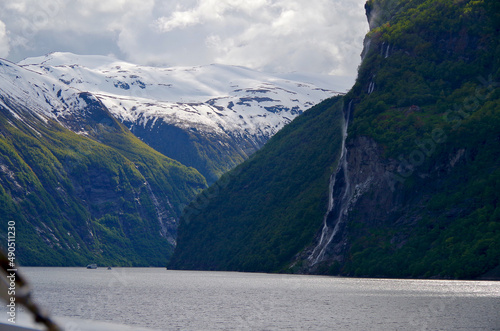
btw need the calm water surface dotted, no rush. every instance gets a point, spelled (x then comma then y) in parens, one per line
(196, 300)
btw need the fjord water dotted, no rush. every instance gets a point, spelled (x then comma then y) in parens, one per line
(196, 300)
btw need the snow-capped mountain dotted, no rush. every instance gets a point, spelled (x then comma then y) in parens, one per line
(87, 195)
(42, 95)
(210, 117)
(213, 97)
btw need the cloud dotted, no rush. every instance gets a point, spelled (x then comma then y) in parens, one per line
(323, 36)
(4, 41)
(210, 11)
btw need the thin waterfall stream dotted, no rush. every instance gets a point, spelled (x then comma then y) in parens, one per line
(338, 197)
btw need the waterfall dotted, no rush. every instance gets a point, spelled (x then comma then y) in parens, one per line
(371, 87)
(161, 213)
(338, 198)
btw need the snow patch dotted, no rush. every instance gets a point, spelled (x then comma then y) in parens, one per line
(215, 98)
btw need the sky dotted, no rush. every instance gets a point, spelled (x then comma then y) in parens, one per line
(310, 36)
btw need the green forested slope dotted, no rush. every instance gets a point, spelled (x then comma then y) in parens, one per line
(427, 95)
(435, 109)
(265, 211)
(212, 155)
(77, 200)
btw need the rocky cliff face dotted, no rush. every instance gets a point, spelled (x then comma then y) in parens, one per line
(368, 196)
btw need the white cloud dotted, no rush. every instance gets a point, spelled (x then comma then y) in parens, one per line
(209, 11)
(4, 41)
(282, 35)
(323, 36)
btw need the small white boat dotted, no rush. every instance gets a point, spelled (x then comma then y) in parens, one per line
(92, 266)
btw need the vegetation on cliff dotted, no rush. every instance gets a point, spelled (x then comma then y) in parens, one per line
(77, 200)
(427, 94)
(262, 213)
(434, 106)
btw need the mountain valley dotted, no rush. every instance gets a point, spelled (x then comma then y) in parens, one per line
(79, 184)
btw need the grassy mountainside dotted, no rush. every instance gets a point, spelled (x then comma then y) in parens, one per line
(211, 154)
(263, 212)
(107, 198)
(423, 176)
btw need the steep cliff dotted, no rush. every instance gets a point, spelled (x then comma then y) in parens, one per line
(411, 189)
(421, 184)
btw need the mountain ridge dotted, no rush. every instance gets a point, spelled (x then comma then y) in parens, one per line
(221, 114)
(77, 184)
